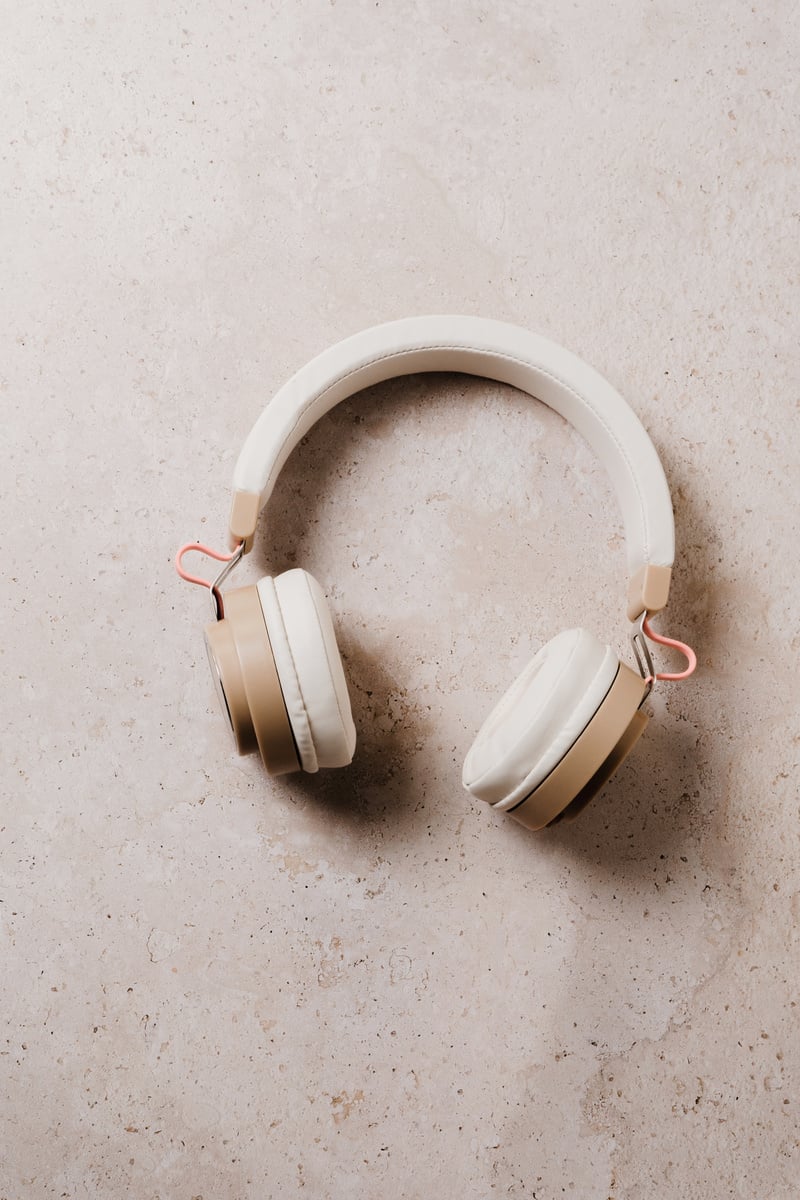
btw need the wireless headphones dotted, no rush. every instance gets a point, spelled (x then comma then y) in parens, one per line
(576, 710)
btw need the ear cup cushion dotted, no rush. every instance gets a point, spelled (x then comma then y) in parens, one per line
(540, 716)
(309, 668)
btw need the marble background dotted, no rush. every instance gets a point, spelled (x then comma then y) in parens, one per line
(365, 984)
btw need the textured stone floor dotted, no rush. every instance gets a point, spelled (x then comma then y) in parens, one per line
(365, 984)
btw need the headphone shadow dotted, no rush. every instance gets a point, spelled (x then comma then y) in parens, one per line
(654, 798)
(649, 805)
(381, 787)
(659, 799)
(378, 788)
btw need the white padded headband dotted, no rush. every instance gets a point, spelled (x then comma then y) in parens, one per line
(495, 350)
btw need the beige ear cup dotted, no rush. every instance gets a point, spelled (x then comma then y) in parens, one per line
(280, 677)
(244, 671)
(561, 724)
(593, 758)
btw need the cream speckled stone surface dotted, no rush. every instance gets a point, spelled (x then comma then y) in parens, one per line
(365, 983)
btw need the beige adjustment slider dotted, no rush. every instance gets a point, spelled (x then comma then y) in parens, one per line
(243, 519)
(648, 590)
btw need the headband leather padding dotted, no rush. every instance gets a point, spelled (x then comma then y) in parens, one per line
(495, 350)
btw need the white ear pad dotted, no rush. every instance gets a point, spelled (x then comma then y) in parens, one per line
(309, 669)
(541, 715)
